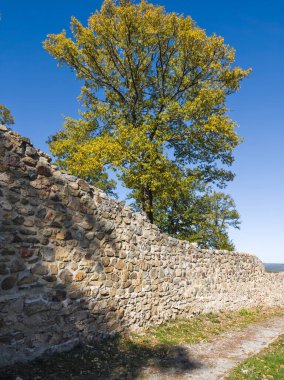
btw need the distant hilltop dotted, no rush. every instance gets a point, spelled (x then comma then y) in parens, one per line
(274, 267)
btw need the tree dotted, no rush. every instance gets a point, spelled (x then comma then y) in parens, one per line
(153, 100)
(6, 117)
(199, 215)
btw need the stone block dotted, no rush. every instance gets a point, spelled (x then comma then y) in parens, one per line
(34, 306)
(26, 277)
(83, 185)
(39, 269)
(66, 276)
(8, 283)
(44, 170)
(79, 276)
(3, 269)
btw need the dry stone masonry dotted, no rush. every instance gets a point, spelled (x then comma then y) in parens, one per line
(77, 266)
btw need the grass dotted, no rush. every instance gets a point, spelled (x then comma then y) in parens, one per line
(269, 364)
(202, 327)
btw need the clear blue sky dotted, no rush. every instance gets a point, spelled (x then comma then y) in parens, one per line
(39, 93)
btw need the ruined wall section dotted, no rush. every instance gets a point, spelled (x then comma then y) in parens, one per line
(76, 265)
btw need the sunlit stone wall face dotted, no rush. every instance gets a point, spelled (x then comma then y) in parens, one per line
(78, 266)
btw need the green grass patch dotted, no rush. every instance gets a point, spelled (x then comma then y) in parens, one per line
(199, 328)
(269, 364)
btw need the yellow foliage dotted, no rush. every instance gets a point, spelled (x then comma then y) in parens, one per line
(154, 96)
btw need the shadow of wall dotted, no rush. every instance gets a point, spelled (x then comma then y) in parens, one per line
(57, 257)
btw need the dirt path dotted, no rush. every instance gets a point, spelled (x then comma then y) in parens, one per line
(212, 361)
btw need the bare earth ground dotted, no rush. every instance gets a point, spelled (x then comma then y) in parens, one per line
(213, 360)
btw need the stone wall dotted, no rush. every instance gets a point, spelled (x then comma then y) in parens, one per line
(76, 265)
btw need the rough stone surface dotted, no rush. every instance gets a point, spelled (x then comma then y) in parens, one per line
(79, 266)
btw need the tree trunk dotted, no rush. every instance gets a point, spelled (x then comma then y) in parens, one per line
(147, 203)
(150, 216)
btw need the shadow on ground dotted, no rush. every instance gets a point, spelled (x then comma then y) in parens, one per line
(107, 360)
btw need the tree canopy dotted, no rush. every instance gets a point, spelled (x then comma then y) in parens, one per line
(199, 215)
(6, 117)
(153, 101)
